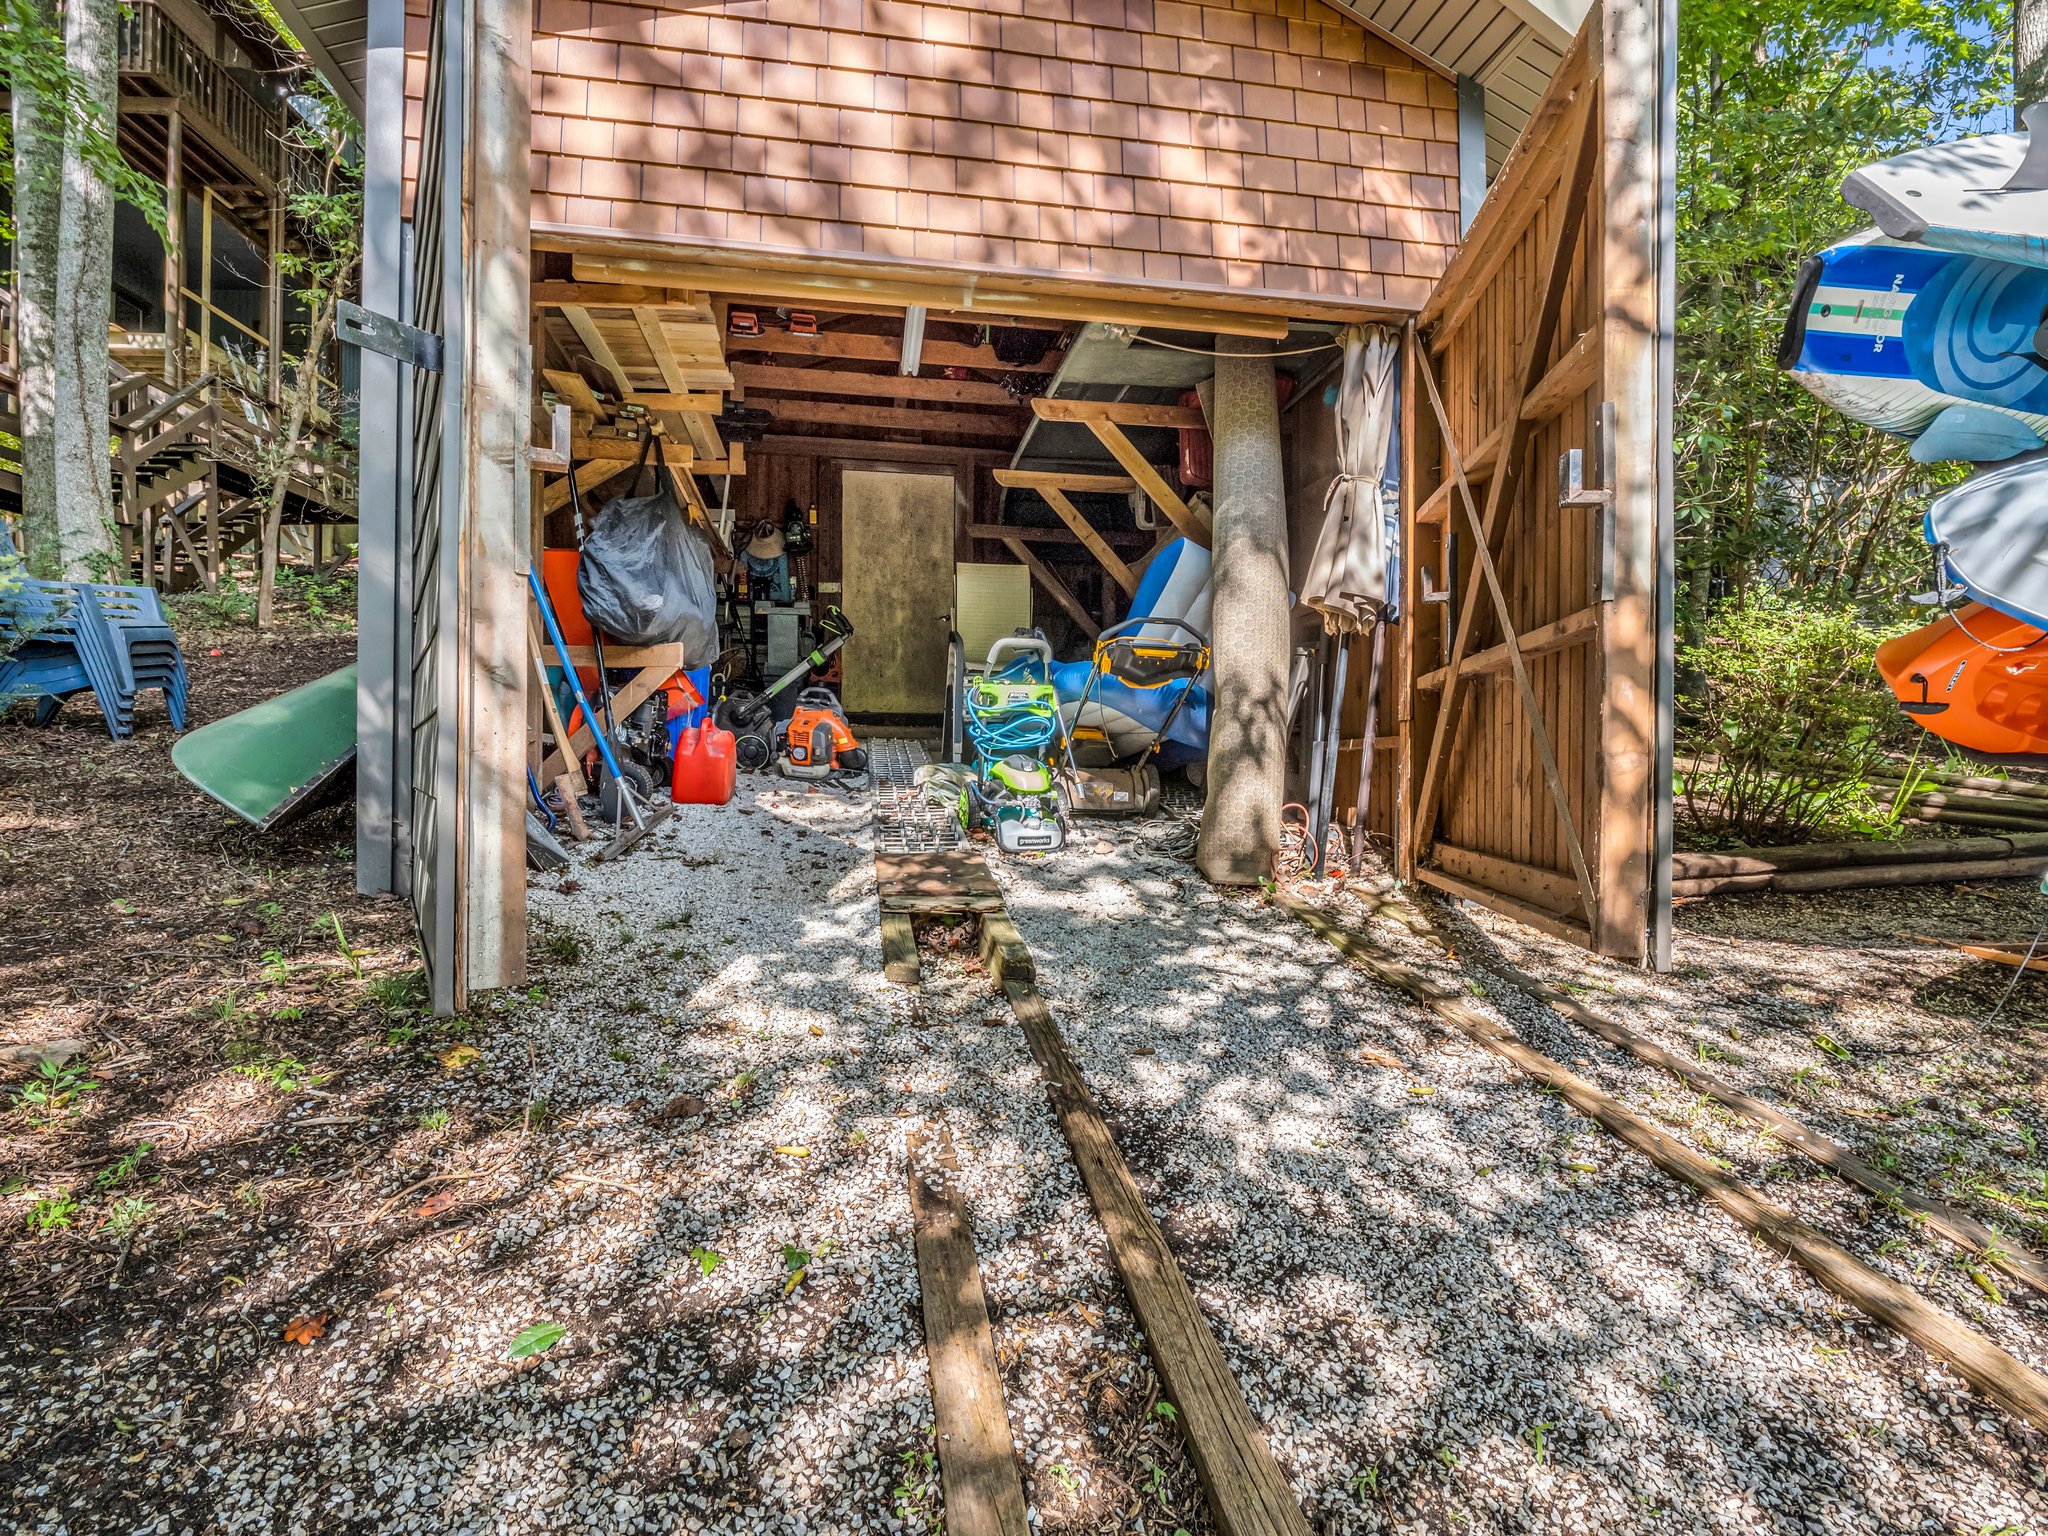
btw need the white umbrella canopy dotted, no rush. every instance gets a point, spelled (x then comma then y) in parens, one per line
(1347, 575)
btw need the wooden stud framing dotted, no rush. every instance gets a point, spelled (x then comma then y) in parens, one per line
(859, 346)
(759, 378)
(1192, 524)
(900, 418)
(1120, 413)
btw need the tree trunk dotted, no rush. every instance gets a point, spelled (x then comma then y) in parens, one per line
(2029, 53)
(1249, 624)
(37, 185)
(284, 452)
(85, 277)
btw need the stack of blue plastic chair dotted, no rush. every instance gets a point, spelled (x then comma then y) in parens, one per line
(76, 637)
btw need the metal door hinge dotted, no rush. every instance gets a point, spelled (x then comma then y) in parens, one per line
(365, 328)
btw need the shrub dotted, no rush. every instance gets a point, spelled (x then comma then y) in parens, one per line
(1793, 718)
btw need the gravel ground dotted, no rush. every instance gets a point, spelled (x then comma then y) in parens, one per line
(1454, 1303)
(685, 1148)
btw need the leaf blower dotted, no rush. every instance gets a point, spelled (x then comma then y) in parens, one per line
(818, 743)
(751, 716)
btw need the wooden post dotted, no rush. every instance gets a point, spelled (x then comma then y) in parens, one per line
(174, 248)
(1637, 204)
(492, 288)
(273, 307)
(206, 282)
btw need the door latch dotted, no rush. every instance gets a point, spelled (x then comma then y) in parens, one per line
(1573, 491)
(365, 328)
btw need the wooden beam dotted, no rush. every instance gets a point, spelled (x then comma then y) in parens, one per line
(2014, 1385)
(900, 418)
(657, 342)
(1122, 413)
(859, 450)
(1138, 541)
(758, 377)
(558, 295)
(586, 330)
(1568, 378)
(1965, 1231)
(854, 346)
(1085, 532)
(573, 390)
(1043, 480)
(599, 447)
(556, 496)
(820, 280)
(977, 1455)
(1058, 590)
(573, 768)
(1247, 1492)
(1572, 629)
(900, 961)
(704, 402)
(1184, 517)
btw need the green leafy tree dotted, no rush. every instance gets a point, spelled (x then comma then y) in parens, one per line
(1778, 100)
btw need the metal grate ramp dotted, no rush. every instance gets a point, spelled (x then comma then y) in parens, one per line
(906, 822)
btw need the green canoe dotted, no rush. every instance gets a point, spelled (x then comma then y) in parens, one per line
(272, 764)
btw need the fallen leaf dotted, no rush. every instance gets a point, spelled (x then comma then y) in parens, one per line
(684, 1106)
(1374, 1056)
(794, 1151)
(304, 1330)
(1421, 1093)
(439, 1201)
(457, 1057)
(817, 1031)
(536, 1340)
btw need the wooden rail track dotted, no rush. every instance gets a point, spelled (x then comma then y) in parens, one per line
(1999, 1375)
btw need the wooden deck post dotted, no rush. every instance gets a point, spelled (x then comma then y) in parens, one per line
(273, 304)
(174, 248)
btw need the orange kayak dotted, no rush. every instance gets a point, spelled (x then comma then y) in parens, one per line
(1976, 677)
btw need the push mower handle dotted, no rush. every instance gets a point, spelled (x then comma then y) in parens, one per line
(1118, 631)
(1036, 645)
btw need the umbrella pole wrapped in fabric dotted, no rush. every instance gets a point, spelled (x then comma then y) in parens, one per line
(1347, 575)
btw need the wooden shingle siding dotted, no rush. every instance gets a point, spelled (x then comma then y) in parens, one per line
(1268, 145)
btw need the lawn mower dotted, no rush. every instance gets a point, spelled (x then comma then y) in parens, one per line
(1011, 716)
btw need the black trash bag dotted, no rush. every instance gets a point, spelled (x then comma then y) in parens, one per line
(646, 576)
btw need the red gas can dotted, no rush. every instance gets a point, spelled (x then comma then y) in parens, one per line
(706, 769)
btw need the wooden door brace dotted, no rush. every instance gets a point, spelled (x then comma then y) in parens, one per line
(1530, 706)
(1575, 178)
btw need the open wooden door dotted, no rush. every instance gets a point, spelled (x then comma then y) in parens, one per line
(470, 506)
(1536, 690)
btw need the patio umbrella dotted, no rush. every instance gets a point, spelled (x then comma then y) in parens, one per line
(1347, 576)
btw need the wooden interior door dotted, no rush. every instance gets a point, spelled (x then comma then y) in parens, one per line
(1537, 702)
(896, 540)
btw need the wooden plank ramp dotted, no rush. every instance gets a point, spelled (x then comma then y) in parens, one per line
(2000, 1376)
(1247, 1492)
(977, 1457)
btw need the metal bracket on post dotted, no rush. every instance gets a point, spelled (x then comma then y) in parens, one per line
(365, 328)
(561, 435)
(1572, 490)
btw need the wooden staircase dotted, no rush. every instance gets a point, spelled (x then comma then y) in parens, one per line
(186, 472)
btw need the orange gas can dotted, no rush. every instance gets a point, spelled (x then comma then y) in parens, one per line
(706, 769)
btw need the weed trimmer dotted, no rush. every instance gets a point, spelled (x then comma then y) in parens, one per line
(627, 804)
(751, 716)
